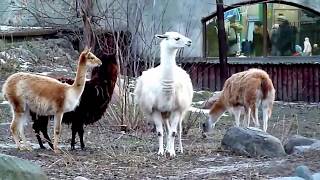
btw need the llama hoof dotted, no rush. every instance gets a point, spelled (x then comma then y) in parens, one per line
(25, 148)
(57, 150)
(170, 154)
(161, 152)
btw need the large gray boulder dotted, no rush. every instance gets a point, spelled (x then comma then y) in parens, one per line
(297, 140)
(252, 142)
(13, 168)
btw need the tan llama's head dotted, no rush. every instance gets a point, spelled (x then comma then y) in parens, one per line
(89, 58)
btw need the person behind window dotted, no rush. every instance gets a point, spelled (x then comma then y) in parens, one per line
(232, 31)
(298, 51)
(275, 34)
(286, 37)
(258, 39)
(315, 49)
(307, 49)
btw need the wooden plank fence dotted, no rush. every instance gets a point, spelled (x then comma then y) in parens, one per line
(292, 81)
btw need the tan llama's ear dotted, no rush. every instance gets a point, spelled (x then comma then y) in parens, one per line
(86, 50)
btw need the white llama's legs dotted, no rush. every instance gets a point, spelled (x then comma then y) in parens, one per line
(57, 131)
(157, 118)
(175, 119)
(180, 134)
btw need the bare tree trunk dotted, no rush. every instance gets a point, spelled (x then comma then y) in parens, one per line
(88, 34)
(222, 42)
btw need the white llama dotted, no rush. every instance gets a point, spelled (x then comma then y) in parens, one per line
(164, 93)
(45, 96)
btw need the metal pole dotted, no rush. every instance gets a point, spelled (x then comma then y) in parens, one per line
(223, 47)
(265, 31)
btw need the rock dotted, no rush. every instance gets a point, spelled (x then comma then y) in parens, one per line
(288, 178)
(80, 178)
(252, 142)
(304, 172)
(303, 149)
(297, 140)
(300, 149)
(316, 176)
(15, 168)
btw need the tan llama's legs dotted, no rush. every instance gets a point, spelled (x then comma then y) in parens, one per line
(57, 131)
(266, 112)
(15, 124)
(247, 112)
(255, 116)
(21, 131)
(237, 113)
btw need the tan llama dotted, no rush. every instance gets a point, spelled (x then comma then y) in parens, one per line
(45, 96)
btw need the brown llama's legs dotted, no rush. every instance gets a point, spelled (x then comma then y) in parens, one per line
(80, 133)
(57, 131)
(73, 138)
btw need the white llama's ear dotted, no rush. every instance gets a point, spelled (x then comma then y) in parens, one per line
(161, 36)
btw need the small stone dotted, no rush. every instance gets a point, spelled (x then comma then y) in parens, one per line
(303, 172)
(80, 178)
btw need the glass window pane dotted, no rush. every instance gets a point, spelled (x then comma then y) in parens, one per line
(246, 27)
(293, 31)
(212, 38)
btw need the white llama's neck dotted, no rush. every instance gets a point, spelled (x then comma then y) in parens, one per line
(167, 64)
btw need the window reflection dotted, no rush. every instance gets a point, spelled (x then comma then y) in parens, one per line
(291, 31)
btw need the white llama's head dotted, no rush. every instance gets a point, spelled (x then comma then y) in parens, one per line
(174, 40)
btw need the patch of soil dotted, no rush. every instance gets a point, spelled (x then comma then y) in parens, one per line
(114, 155)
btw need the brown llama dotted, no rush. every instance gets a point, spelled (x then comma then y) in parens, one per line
(244, 92)
(45, 96)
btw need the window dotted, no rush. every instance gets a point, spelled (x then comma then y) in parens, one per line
(289, 31)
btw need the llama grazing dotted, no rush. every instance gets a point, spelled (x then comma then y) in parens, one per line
(244, 92)
(164, 93)
(93, 103)
(45, 96)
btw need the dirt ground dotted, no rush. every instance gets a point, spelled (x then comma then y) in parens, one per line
(114, 155)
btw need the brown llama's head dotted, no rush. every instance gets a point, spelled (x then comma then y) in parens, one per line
(89, 59)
